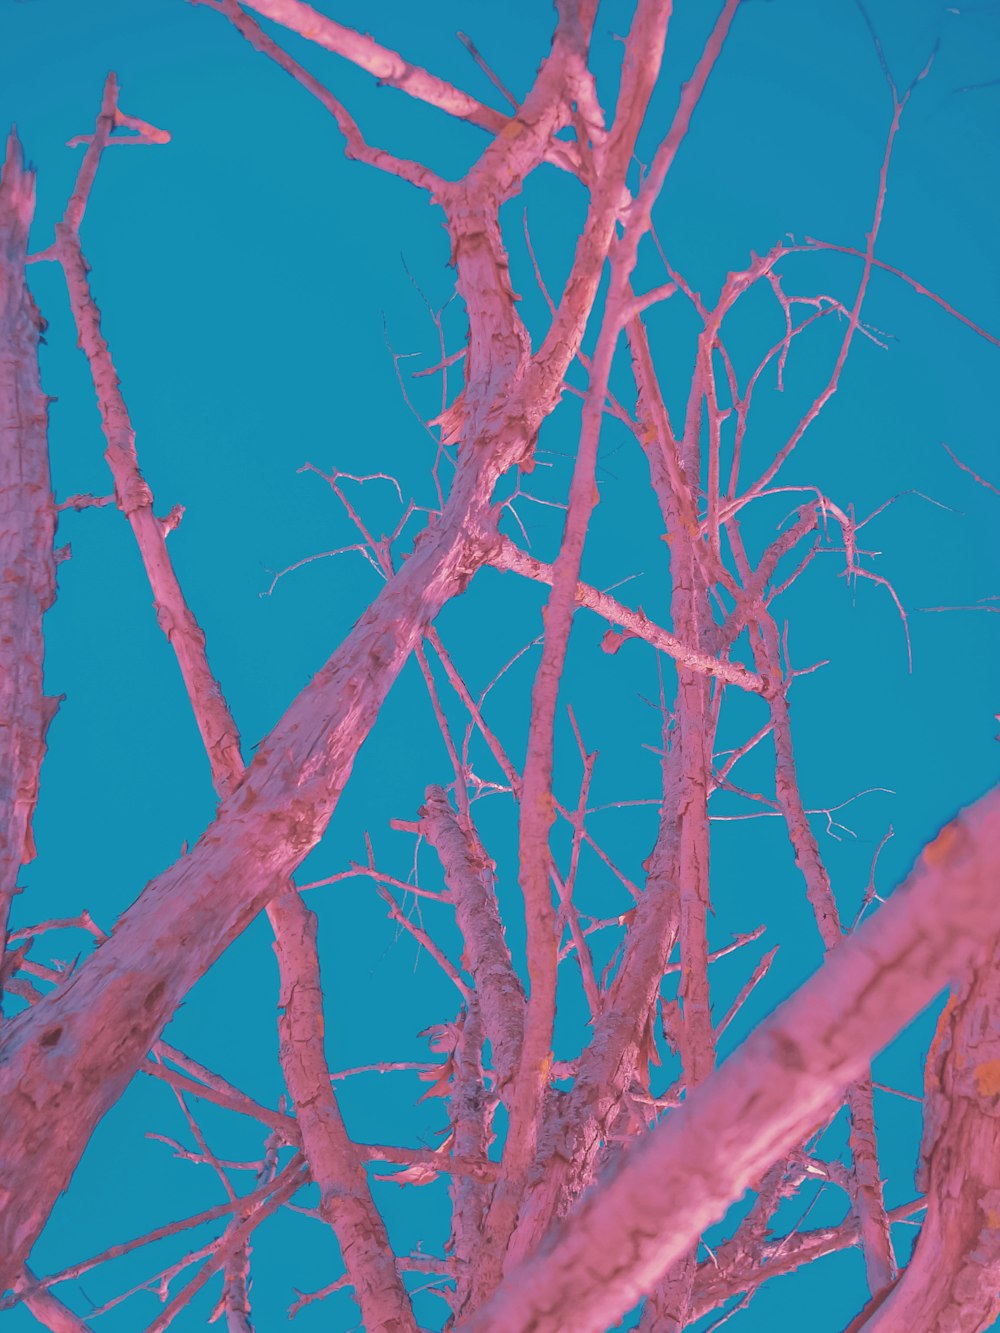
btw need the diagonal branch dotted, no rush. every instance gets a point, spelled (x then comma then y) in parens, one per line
(357, 148)
(637, 624)
(388, 66)
(793, 1069)
(74, 1052)
(468, 874)
(641, 64)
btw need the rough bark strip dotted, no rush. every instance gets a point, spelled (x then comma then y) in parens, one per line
(953, 1279)
(764, 1099)
(469, 877)
(27, 529)
(470, 1124)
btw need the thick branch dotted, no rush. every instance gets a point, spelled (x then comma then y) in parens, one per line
(49, 1309)
(27, 528)
(763, 1100)
(345, 1198)
(75, 1051)
(68, 1059)
(953, 1278)
(643, 53)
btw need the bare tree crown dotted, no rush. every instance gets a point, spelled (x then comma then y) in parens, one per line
(587, 997)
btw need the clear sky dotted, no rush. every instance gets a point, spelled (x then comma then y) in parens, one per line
(254, 284)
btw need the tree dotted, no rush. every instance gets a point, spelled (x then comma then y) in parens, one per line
(605, 1099)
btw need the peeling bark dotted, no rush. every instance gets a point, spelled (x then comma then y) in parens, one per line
(630, 1229)
(27, 530)
(651, 1191)
(346, 1203)
(64, 1062)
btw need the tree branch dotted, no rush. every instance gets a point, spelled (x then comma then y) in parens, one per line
(683, 1175)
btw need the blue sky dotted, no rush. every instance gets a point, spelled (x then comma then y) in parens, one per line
(252, 283)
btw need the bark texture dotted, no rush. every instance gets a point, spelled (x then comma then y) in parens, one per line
(785, 1077)
(27, 529)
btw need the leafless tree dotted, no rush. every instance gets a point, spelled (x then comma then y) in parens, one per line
(559, 1221)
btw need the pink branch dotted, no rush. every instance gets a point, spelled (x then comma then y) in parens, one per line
(160, 1233)
(386, 65)
(506, 767)
(747, 989)
(425, 942)
(898, 106)
(334, 1164)
(241, 861)
(507, 556)
(65, 1060)
(504, 92)
(752, 594)
(211, 1087)
(48, 1309)
(868, 1200)
(27, 531)
(186, 917)
(965, 468)
(918, 287)
(132, 495)
(734, 1271)
(682, 1176)
(643, 53)
(954, 1274)
(292, 1178)
(567, 908)
(345, 1203)
(468, 872)
(460, 770)
(391, 69)
(357, 148)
